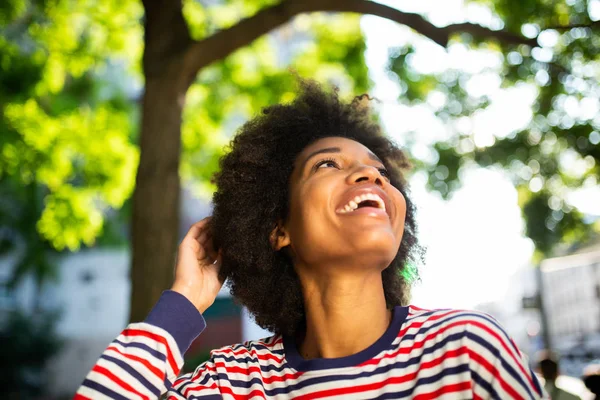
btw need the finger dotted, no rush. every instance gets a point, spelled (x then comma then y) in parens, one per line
(208, 244)
(198, 227)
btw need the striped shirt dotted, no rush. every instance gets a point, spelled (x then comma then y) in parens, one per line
(424, 354)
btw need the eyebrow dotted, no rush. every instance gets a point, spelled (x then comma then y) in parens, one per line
(334, 150)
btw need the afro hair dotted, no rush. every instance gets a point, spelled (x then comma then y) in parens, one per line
(252, 196)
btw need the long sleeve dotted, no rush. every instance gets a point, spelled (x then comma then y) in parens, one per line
(498, 368)
(144, 361)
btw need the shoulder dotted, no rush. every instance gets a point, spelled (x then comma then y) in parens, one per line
(444, 317)
(473, 326)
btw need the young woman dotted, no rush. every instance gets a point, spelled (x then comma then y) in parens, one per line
(314, 229)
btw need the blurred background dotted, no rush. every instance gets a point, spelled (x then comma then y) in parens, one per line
(113, 115)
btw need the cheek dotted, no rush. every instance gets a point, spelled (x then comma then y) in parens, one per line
(400, 203)
(308, 213)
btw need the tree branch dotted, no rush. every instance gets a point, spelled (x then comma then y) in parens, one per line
(591, 25)
(225, 42)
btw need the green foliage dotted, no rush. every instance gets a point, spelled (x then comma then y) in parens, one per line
(558, 150)
(66, 123)
(227, 93)
(69, 81)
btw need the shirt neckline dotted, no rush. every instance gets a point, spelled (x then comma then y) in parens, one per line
(296, 361)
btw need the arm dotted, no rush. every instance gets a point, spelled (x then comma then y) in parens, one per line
(144, 361)
(498, 368)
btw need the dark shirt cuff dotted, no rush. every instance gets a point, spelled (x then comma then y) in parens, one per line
(178, 316)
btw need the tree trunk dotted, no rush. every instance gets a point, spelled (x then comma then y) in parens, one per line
(156, 198)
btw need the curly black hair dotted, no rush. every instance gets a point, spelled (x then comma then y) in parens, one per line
(252, 196)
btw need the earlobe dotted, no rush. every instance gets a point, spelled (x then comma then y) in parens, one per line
(279, 238)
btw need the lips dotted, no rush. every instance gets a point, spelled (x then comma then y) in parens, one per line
(369, 191)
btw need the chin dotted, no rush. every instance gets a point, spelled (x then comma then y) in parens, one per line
(376, 243)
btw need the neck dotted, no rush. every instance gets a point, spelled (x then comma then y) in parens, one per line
(344, 314)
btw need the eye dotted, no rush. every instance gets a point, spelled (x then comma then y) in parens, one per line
(384, 172)
(327, 163)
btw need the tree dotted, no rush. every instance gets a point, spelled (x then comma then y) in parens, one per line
(556, 151)
(205, 67)
(172, 59)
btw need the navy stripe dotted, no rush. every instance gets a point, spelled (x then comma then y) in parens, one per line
(250, 346)
(203, 382)
(184, 386)
(409, 392)
(251, 361)
(133, 373)
(516, 376)
(104, 390)
(153, 352)
(402, 394)
(536, 382)
(248, 359)
(485, 384)
(446, 319)
(499, 330)
(365, 374)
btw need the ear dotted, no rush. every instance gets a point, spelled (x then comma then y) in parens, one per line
(279, 237)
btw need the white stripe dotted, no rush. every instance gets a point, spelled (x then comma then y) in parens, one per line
(125, 377)
(171, 374)
(139, 367)
(109, 384)
(92, 394)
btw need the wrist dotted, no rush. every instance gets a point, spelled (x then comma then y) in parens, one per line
(178, 316)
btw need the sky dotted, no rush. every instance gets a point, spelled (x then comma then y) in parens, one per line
(474, 241)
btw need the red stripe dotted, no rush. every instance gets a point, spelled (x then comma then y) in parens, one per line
(495, 373)
(358, 389)
(415, 345)
(389, 381)
(156, 338)
(225, 390)
(117, 380)
(243, 352)
(482, 361)
(505, 346)
(80, 397)
(453, 388)
(256, 369)
(255, 392)
(157, 372)
(478, 324)
(197, 388)
(429, 320)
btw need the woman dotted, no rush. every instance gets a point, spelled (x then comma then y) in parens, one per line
(314, 230)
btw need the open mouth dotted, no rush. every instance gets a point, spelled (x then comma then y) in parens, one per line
(365, 200)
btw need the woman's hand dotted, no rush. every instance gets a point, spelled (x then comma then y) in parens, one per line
(197, 269)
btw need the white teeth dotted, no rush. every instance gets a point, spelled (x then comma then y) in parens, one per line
(353, 204)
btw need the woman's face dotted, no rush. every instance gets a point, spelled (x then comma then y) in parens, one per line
(343, 209)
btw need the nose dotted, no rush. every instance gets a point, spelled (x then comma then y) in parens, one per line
(366, 174)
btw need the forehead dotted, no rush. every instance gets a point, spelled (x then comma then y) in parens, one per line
(344, 144)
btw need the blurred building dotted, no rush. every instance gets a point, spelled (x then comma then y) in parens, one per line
(523, 324)
(571, 297)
